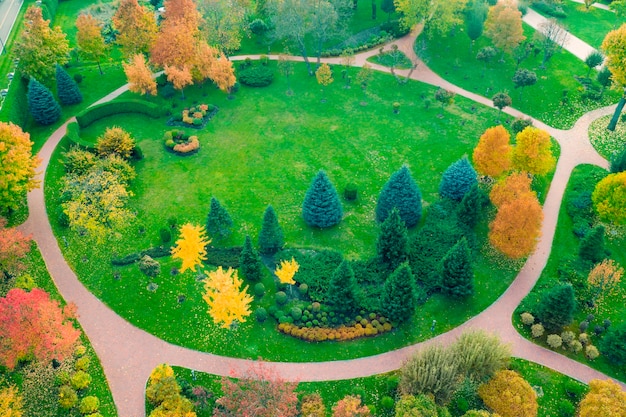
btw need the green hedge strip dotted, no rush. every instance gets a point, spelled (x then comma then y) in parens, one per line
(94, 113)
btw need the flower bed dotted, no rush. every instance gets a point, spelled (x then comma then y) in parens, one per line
(195, 117)
(178, 142)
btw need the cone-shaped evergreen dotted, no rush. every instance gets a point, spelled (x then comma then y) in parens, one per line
(471, 205)
(399, 297)
(67, 89)
(393, 241)
(402, 192)
(457, 180)
(218, 221)
(341, 295)
(556, 308)
(321, 207)
(592, 247)
(250, 266)
(457, 275)
(271, 238)
(41, 103)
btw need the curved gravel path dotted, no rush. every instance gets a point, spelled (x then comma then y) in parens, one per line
(129, 354)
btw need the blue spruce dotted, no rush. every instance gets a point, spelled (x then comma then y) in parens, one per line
(41, 103)
(400, 192)
(321, 207)
(457, 180)
(67, 89)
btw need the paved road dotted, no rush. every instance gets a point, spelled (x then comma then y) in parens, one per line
(9, 10)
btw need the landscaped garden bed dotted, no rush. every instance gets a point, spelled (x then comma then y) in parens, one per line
(195, 117)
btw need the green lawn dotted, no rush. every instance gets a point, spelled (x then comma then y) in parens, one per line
(265, 147)
(607, 143)
(451, 58)
(565, 245)
(590, 25)
(99, 386)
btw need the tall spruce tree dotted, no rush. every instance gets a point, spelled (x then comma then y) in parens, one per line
(556, 307)
(67, 89)
(271, 238)
(393, 241)
(321, 206)
(457, 180)
(218, 221)
(457, 275)
(470, 208)
(399, 297)
(41, 103)
(592, 248)
(401, 192)
(342, 296)
(250, 265)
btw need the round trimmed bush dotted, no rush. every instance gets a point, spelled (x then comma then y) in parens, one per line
(260, 314)
(256, 76)
(303, 289)
(89, 405)
(80, 380)
(82, 364)
(259, 289)
(296, 313)
(281, 298)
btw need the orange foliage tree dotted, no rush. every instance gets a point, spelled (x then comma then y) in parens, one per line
(350, 406)
(227, 301)
(533, 151)
(260, 392)
(14, 246)
(34, 326)
(509, 395)
(517, 227)
(191, 247)
(492, 154)
(514, 186)
(17, 165)
(604, 279)
(136, 26)
(604, 399)
(223, 74)
(91, 44)
(139, 76)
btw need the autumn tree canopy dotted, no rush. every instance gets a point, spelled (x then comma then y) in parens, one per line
(533, 151)
(14, 246)
(17, 165)
(504, 26)
(34, 327)
(139, 76)
(604, 399)
(227, 301)
(509, 395)
(136, 26)
(492, 154)
(191, 247)
(91, 44)
(609, 198)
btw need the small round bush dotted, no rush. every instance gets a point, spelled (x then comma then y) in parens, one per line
(568, 337)
(583, 338)
(303, 289)
(256, 76)
(89, 405)
(62, 378)
(82, 364)
(259, 289)
(537, 330)
(165, 235)
(554, 341)
(576, 346)
(527, 318)
(296, 313)
(149, 266)
(598, 330)
(25, 282)
(350, 192)
(315, 307)
(591, 352)
(78, 78)
(67, 397)
(565, 408)
(387, 402)
(80, 380)
(281, 298)
(260, 314)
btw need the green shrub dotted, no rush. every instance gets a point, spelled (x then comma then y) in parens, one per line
(167, 91)
(316, 268)
(67, 397)
(256, 76)
(89, 405)
(350, 192)
(165, 235)
(260, 314)
(575, 390)
(613, 345)
(259, 289)
(94, 113)
(226, 257)
(80, 351)
(549, 8)
(78, 78)
(565, 408)
(520, 124)
(149, 266)
(296, 313)
(387, 402)
(281, 298)
(82, 364)
(80, 380)
(303, 289)
(17, 112)
(25, 282)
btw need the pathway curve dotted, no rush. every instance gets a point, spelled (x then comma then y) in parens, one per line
(128, 354)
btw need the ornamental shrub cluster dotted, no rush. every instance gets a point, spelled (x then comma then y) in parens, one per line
(341, 333)
(256, 75)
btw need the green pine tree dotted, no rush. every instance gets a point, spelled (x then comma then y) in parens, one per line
(67, 89)
(271, 238)
(41, 103)
(341, 295)
(592, 246)
(218, 222)
(457, 180)
(556, 307)
(401, 192)
(470, 208)
(321, 207)
(393, 241)
(399, 297)
(250, 265)
(457, 275)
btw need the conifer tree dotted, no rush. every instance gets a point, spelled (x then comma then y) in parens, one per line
(271, 238)
(592, 247)
(457, 180)
(341, 295)
(41, 103)
(556, 307)
(250, 265)
(67, 89)
(393, 240)
(457, 275)
(469, 210)
(402, 192)
(399, 297)
(321, 207)
(218, 222)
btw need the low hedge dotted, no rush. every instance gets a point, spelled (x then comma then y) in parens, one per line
(154, 252)
(226, 257)
(256, 76)
(73, 134)
(94, 113)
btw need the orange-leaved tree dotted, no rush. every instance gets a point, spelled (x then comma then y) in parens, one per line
(223, 74)
(91, 44)
(136, 26)
(286, 271)
(139, 76)
(504, 26)
(17, 165)
(191, 247)
(604, 279)
(14, 246)
(492, 154)
(259, 392)
(510, 188)
(180, 77)
(533, 151)
(350, 406)
(227, 301)
(509, 395)
(604, 399)
(34, 327)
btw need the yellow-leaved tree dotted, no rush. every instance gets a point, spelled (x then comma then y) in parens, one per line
(191, 247)
(605, 399)
(533, 151)
(286, 271)
(604, 279)
(10, 402)
(227, 301)
(509, 395)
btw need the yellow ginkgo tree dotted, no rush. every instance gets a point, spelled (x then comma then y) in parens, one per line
(227, 301)
(286, 271)
(191, 247)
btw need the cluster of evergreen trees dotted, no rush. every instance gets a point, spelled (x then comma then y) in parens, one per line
(41, 102)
